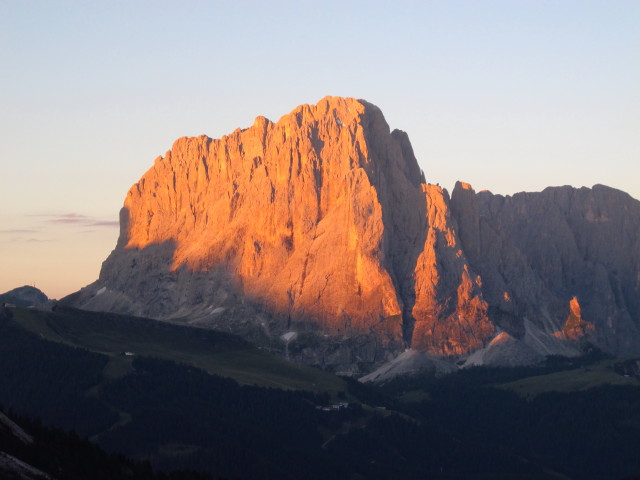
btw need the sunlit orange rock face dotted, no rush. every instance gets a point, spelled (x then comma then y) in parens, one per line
(322, 224)
(450, 313)
(576, 328)
(321, 221)
(288, 208)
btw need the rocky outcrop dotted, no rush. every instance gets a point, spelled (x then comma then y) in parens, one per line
(321, 230)
(576, 328)
(450, 312)
(554, 259)
(408, 363)
(505, 351)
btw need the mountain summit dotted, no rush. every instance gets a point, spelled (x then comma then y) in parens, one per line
(318, 235)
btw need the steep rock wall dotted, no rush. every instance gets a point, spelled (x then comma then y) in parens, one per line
(319, 223)
(536, 252)
(322, 224)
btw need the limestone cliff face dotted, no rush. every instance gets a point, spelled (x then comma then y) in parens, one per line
(450, 312)
(552, 259)
(319, 223)
(319, 236)
(287, 209)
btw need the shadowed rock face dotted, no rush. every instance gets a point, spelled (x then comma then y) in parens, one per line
(566, 259)
(323, 224)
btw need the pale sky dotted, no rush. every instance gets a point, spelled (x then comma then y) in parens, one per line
(507, 95)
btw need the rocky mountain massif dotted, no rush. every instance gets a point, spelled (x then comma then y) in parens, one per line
(319, 236)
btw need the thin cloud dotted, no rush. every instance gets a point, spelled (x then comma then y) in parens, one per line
(18, 230)
(70, 218)
(45, 224)
(25, 240)
(105, 223)
(57, 215)
(67, 221)
(76, 219)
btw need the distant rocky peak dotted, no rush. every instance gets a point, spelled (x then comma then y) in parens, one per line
(25, 296)
(323, 225)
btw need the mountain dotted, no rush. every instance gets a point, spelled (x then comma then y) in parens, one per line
(25, 296)
(319, 237)
(560, 268)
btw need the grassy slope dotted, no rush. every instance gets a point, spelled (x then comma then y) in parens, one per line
(229, 356)
(215, 352)
(571, 380)
(578, 379)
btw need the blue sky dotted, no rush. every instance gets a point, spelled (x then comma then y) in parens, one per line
(508, 96)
